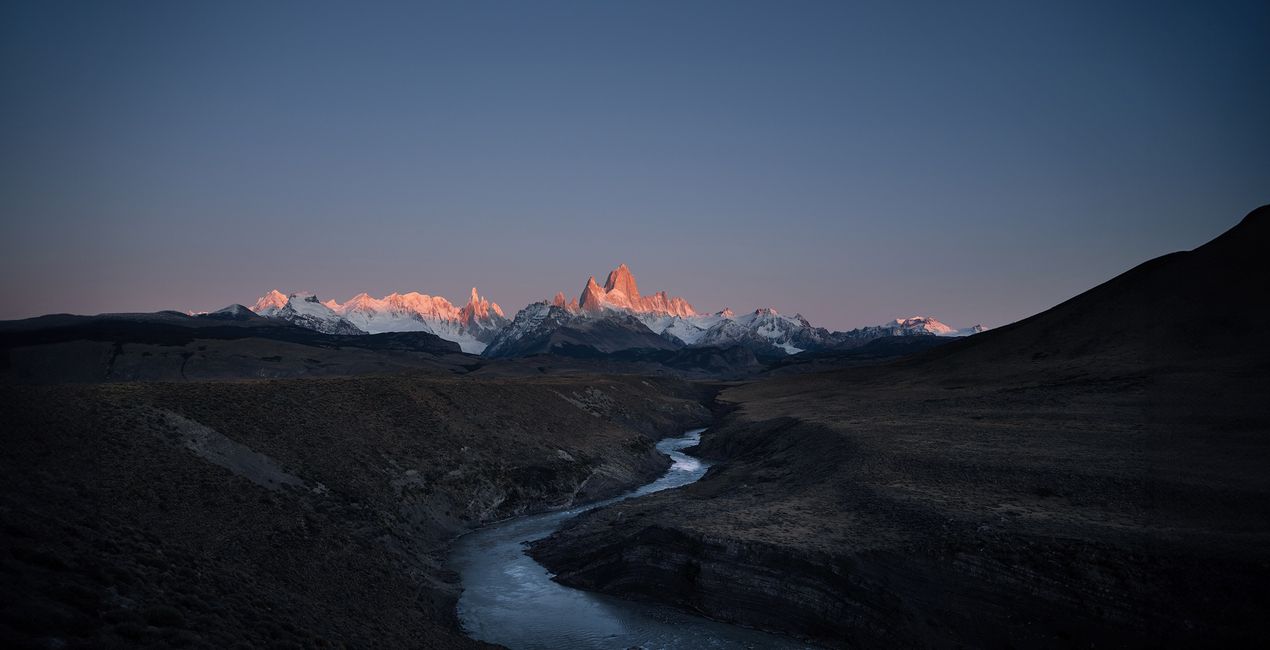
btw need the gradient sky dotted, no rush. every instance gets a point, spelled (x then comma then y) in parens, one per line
(856, 162)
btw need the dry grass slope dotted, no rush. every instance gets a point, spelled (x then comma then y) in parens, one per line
(1095, 474)
(291, 513)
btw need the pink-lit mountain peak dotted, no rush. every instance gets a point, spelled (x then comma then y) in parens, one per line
(414, 302)
(560, 301)
(620, 279)
(470, 326)
(620, 291)
(272, 301)
(479, 309)
(923, 323)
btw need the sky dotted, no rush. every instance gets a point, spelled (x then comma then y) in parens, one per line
(852, 161)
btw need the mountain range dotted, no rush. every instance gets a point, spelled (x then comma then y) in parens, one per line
(604, 318)
(472, 326)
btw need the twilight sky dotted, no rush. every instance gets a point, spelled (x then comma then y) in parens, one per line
(977, 162)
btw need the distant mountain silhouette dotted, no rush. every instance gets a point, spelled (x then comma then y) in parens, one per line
(1199, 304)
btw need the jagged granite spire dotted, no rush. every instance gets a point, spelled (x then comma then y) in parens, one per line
(621, 292)
(620, 279)
(592, 298)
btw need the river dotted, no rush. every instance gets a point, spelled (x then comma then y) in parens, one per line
(510, 599)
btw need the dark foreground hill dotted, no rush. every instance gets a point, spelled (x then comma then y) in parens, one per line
(171, 346)
(1094, 475)
(291, 513)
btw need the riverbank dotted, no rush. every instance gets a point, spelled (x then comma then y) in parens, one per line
(301, 511)
(856, 511)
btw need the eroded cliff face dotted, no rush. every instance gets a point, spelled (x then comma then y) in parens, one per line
(1037, 593)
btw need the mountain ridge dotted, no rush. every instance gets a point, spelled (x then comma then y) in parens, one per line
(479, 323)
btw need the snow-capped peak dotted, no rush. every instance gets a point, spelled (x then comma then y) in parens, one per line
(304, 309)
(922, 324)
(471, 326)
(911, 326)
(480, 309)
(481, 321)
(270, 302)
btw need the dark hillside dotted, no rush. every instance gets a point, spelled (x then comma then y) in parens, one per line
(1094, 475)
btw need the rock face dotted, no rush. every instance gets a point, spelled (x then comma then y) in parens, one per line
(593, 297)
(621, 292)
(1079, 478)
(481, 318)
(559, 301)
(620, 279)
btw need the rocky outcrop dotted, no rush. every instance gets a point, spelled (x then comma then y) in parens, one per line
(559, 301)
(480, 317)
(621, 292)
(592, 298)
(620, 279)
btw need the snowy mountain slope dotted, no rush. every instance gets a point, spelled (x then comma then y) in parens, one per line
(471, 326)
(616, 310)
(536, 321)
(913, 326)
(543, 328)
(270, 303)
(607, 319)
(928, 325)
(304, 310)
(683, 329)
(766, 330)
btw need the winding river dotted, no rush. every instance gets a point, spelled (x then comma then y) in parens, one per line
(510, 599)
